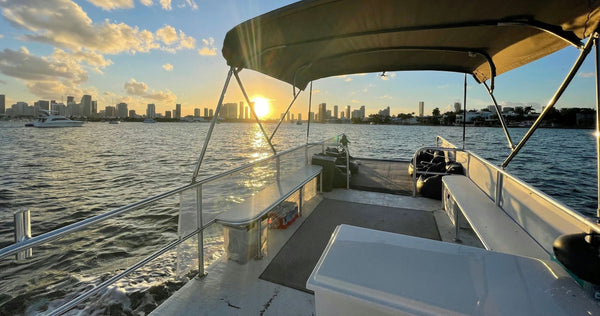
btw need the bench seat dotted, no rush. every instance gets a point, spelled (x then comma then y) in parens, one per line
(258, 205)
(496, 230)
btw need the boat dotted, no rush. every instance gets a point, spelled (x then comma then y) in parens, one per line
(149, 120)
(493, 245)
(298, 122)
(114, 122)
(48, 119)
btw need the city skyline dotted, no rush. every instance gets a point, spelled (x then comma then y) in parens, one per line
(168, 52)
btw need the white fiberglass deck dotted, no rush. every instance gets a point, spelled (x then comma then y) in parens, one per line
(233, 289)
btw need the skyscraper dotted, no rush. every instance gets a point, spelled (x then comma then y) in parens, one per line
(335, 111)
(70, 99)
(94, 108)
(86, 105)
(421, 108)
(299, 116)
(205, 112)
(362, 112)
(151, 111)
(196, 112)
(241, 110)
(122, 110)
(177, 114)
(347, 111)
(210, 113)
(229, 111)
(2, 104)
(322, 112)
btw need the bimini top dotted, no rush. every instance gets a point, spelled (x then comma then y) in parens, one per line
(309, 40)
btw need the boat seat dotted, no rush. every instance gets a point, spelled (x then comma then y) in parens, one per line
(496, 230)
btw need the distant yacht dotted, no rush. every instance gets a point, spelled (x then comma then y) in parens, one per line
(149, 120)
(114, 122)
(51, 120)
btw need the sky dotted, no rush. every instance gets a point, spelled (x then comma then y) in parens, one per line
(169, 51)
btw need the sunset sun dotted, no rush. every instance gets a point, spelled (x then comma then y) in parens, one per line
(261, 107)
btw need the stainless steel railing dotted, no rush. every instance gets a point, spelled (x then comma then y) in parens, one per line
(25, 243)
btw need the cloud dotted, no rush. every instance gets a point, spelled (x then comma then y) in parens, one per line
(208, 48)
(133, 87)
(316, 91)
(192, 4)
(348, 79)
(166, 5)
(71, 28)
(167, 67)
(386, 97)
(147, 3)
(112, 4)
(355, 101)
(1, 36)
(586, 74)
(167, 34)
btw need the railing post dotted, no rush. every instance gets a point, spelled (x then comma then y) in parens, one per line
(300, 200)
(23, 232)
(201, 272)
(499, 184)
(347, 168)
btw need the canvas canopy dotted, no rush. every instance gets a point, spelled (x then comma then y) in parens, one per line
(309, 40)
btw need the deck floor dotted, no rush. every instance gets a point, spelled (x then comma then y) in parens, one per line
(233, 289)
(383, 176)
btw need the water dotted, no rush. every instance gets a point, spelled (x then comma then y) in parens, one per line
(66, 175)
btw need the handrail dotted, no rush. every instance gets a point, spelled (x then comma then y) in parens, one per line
(63, 231)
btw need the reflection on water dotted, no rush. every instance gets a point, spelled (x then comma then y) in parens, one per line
(66, 175)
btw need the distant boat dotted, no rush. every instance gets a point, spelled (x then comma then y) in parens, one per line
(114, 122)
(149, 120)
(51, 120)
(298, 122)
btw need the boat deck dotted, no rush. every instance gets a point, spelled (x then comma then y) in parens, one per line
(230, 288)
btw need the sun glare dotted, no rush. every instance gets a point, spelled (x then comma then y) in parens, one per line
(261, 107)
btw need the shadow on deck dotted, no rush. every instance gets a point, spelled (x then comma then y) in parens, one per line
(383, 176)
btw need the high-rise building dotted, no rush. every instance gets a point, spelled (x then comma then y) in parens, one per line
(421, 108)
(2, 104)
(205, 112)
(457, 107)
(151, 111)
(177, 112)
(299, 116)
(167, 114)
(342, 115)
(110, 111)
(322, 112)
(241, 110)
(293, 118)
(348, 111)
(86, 105)
(362, 112)
(385, 112)
(58, 108)
(492, 108)
(335, 111)
(132, 113)
(210, 113)
(246, 113)
(311, 116)
(288, 116)
(196, 112)
(122, 110)
(229, 111)
(70, 99)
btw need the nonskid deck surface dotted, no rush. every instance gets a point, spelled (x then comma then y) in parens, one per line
(383, 176)
(233, 289)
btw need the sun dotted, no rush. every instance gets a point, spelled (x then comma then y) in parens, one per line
(261, 107)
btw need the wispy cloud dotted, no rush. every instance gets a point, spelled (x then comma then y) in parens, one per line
(208, 48)
(1, 36)
(586, 74)
(167, 67)
(316, 91)
(112, 4)
(355, 101)
(166, 5)
(386, 97)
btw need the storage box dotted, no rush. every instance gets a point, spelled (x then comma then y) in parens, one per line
(283, 215)
(241, 242)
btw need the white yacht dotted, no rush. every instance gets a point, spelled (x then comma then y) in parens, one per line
(48, 119)
(316, 240)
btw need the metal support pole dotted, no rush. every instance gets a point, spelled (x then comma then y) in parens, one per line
(259, 253)
(200, 224)
(561, 89)
(237, 78)
(499, 184)
(464, 112)
(300, 201)
(23, 232)
(347, 168)
(309, 109)
(212, 126)
(285, 114)
(500, 117)
(595, 38)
